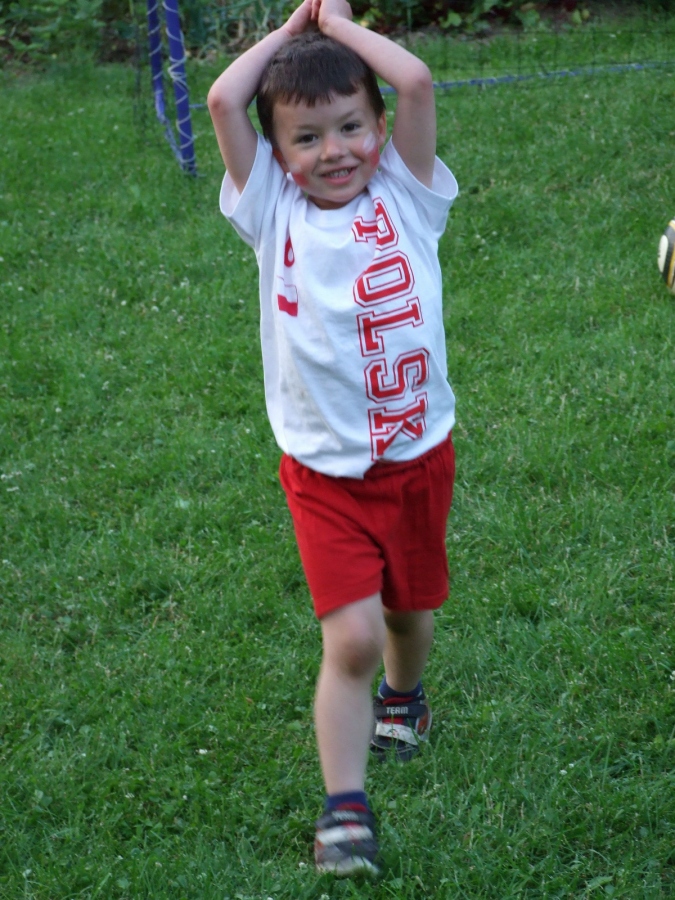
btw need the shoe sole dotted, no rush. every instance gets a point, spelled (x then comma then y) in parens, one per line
(347, 867)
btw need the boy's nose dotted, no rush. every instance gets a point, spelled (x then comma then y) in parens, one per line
(332, 147)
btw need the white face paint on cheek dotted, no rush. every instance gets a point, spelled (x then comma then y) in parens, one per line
(371, 149)
(369, 143)
(295, 173)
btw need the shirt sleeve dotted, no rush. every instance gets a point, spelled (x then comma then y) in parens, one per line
(432, 205)
(251, 212)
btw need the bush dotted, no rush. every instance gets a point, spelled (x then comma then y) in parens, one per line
(106, 27)
(49, 26)
(210, 24)
(394, 14)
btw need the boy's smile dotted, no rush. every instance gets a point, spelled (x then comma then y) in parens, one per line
(331, 149)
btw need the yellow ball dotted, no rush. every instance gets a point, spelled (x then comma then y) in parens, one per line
(666, 259)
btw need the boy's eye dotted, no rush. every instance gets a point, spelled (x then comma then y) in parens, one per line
(305, 139)
(350, 126)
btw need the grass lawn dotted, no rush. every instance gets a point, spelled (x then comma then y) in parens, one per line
(157, 645)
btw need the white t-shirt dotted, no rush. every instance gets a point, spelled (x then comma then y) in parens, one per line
(352, 331)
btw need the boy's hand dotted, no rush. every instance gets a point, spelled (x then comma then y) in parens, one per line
(300, 19)
(322, 10)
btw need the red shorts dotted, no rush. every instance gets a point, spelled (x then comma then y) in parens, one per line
(383, 533)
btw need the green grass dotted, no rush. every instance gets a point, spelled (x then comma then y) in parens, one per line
(602, 43)
(157, 645)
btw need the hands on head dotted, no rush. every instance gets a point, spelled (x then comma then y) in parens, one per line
(414, 129)
(324, 9)
(312, 13)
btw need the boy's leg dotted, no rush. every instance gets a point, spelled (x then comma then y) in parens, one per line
(353, 641)
(407, 646)
(402, 714)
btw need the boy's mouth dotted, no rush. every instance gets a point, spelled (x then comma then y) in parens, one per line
(338, 174)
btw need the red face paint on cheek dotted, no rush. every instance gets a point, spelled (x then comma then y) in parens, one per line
(372, 150)
(300, 179)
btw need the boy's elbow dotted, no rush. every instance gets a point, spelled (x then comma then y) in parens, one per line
(417, 83)
(421, 82)
(222, 102)
(215, 101)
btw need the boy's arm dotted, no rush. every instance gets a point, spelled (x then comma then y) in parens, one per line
(232, 92)
(414, 132)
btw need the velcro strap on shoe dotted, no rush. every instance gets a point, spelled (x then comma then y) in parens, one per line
(400, 711)
(397, 732)
(343, 833)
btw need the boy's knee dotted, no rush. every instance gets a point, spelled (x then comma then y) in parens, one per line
(403, 624)
(361, 654)
(353, 641)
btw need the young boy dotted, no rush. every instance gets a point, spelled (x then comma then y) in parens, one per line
(355, 369)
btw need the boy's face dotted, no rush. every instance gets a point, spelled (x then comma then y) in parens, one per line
(332, 149)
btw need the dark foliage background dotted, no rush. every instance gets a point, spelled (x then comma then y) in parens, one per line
(109, 28)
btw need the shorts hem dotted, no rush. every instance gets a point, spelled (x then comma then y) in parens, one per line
(328, 604)
(421, 606)
(332, 605)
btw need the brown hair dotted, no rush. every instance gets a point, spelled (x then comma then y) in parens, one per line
(309, 69)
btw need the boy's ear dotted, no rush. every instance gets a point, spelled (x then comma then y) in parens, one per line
(276, 153)
(382, 129)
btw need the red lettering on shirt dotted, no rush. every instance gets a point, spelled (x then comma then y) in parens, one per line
(410, 370)
(289, 255)
(381, 230)
(389, 277)
(386, 278)
(386, 424)
(372, 324)
(287, 298)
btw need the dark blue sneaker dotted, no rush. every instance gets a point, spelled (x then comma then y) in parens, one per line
(346, 842)
(401, 725)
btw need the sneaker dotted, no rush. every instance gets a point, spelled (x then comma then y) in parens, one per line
(345, 842)
(401, 725)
